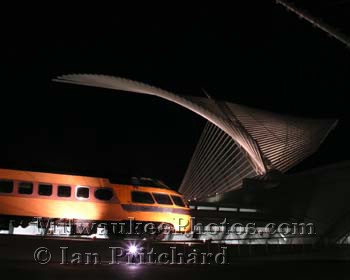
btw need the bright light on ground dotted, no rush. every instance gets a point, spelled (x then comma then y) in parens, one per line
(132, 249)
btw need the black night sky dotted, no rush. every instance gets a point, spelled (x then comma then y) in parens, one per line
(256, 54)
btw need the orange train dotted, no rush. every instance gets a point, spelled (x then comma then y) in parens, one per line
(25, 195)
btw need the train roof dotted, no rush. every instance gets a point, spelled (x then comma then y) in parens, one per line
(140, 181)
(63, 179)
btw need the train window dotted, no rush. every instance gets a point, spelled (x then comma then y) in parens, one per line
(45, 189)
(64, 191)
(162, 198)
(83, 192)
(142, 197)
(6, 186)
(178, 200)
(104, 194)
(25, 188)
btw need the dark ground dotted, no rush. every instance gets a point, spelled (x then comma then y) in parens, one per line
(17, 261)
(244, 271)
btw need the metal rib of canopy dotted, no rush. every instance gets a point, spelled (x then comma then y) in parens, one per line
(238, 141)
(218, 165)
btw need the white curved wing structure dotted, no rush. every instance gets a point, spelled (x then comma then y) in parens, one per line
(116, 83)
(260, 141)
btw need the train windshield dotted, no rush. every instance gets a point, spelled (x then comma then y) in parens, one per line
(178, 201)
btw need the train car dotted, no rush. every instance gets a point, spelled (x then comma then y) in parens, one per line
(26, 195)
